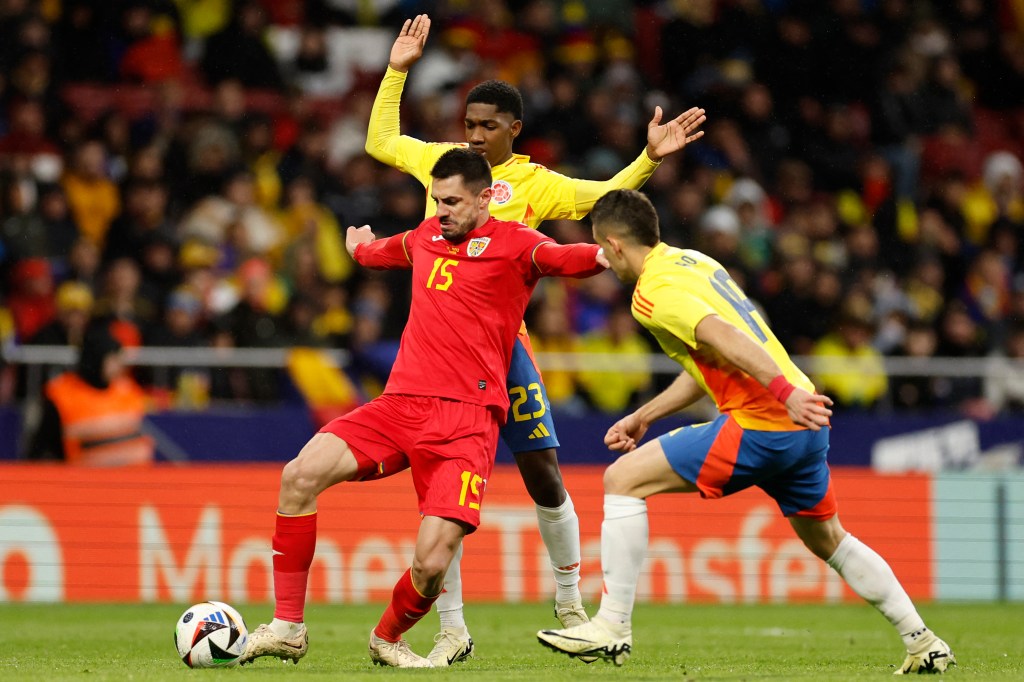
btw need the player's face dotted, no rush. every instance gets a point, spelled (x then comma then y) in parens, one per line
(490, 132)
(458, 208)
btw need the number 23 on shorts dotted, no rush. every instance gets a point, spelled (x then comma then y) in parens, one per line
(471, 490)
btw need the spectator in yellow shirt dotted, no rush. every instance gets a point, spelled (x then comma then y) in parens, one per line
(92, 196)
(620, 371)
(847, 367)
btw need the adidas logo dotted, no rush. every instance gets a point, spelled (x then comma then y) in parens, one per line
(540, 432)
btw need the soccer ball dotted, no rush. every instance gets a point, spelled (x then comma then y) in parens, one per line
(210, 635)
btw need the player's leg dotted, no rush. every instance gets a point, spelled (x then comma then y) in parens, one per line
(529, 432)
(450, 466)
(324, 461)
(559, 527)
(337, 453)
(871, 577)
(660, 466)
(804, 493)
(415, 592)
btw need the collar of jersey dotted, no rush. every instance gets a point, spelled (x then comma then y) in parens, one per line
(658, 249)
(517, 158)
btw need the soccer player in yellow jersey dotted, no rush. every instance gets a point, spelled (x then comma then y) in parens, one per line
(528, 193)
(772, 433)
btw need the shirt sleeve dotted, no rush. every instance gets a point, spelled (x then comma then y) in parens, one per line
(565, 260)
(677, 311)
(384, 139)
(633, 176)
(391, 253)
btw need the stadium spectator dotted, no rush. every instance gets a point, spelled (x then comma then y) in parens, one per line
(145, 215)
(961, 337)
(74, 308)
(26, 145)
(238, 51)
(93, 415)
(92, 196)
(846, 365)
(23, 230)
(31, 296)
(620, 380)
(234, 221)
(551, 332)
(916, 392)
(307, 222)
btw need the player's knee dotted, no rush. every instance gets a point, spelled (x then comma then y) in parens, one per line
(299, 480)
(617, 479)
(428, 572)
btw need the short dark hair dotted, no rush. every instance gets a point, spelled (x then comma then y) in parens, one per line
(504, 96)
(628, 213)
(473, 167)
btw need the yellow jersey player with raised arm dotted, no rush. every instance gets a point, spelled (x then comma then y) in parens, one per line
(529, 193)
(773, 433)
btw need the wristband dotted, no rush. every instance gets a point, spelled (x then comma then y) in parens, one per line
(781, 388)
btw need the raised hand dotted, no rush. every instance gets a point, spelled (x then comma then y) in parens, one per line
(408, 47)
(356, 236)
(666, 138)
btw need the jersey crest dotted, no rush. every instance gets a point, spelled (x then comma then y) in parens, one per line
(477, 246)
(501, 192)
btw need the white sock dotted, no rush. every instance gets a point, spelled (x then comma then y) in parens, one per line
(560, 530)
(623, 548)
(870, 576)
(449, 604)
(285, 628)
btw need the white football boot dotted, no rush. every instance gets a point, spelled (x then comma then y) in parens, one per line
(451, 645)
(597, 638)
(571, 614)
(265, 642)
(395, 654)
(934, 656)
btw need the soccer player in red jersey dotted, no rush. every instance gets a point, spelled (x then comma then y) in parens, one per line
(441, 408)
(530, 193)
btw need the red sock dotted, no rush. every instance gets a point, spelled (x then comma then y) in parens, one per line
(406, 608)
(294, 542)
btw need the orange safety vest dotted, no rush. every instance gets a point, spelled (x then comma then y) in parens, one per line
(101, 427)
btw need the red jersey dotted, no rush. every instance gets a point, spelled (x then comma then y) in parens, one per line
(468, 301)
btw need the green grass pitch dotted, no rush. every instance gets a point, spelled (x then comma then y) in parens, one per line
(695, 642)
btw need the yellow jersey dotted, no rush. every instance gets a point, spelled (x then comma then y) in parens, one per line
(524, 192)
(677, 289)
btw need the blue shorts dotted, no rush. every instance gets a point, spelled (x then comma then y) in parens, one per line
(529, 425)
(722, 458)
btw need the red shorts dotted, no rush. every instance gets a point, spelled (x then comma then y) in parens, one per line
(448, 444)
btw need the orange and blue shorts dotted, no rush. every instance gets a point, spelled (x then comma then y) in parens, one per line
(722, 458)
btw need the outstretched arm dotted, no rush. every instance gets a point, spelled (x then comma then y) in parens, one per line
(568, 260)
(805, 409)
(385, 128)
(378, 254)
(624, 434)
(662, 139)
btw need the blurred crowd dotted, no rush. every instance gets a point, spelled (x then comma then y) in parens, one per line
(183, 171)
